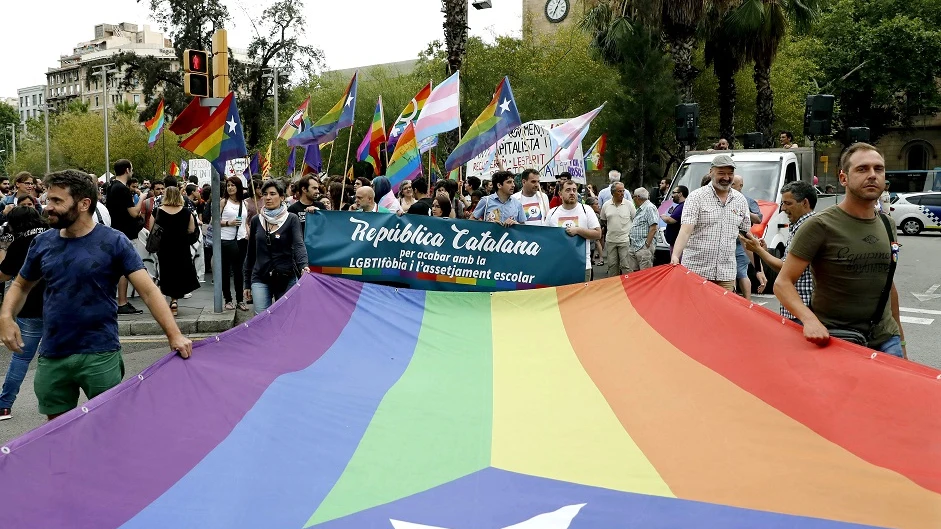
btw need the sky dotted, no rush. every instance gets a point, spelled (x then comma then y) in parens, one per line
(350, 32)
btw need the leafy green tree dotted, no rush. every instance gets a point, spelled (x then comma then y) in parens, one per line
(77, 106)
(884, 72)
(724, 51)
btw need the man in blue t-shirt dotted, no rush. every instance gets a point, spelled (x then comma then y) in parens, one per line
(81, 262)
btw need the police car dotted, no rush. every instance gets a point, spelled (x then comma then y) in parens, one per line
(914, 212)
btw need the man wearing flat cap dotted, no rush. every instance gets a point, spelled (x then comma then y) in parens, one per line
(713, 216)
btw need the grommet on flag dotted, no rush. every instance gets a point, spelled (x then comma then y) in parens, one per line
(751, 305)
(84, 409)
(140, 377)
(217, 338)
(5, 449)
(245, 324)
(872, 356)
(704, 281)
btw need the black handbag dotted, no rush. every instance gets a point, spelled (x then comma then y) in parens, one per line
(858, 337)
(156, 235)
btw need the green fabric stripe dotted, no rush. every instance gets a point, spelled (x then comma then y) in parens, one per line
(434, 425)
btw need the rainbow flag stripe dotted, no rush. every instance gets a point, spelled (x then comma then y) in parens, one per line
(594, 158)
(353, 405)
(405, 162)
(408, 115)
(336, 119)
(497, 120)
(368, 150)
(220, 138)
(154, 125)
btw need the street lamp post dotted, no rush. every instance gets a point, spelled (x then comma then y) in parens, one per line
(104, 78)
(46, 119)
(277, 127)
(13, 136)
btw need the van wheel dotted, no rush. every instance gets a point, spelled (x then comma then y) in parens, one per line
(911, 227)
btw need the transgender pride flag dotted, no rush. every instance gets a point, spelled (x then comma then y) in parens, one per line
(572, 131)
(442, 111)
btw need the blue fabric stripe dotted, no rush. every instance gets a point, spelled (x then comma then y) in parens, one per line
(285, 455)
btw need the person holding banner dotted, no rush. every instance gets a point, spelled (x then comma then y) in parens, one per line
(366, 200)
(501, 207)
(535, 202)
(576, 219)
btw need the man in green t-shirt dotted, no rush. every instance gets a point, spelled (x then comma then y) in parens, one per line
(849, 251)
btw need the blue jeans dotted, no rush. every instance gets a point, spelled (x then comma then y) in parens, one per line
(263, 296)
(892, 346)
(31, 332)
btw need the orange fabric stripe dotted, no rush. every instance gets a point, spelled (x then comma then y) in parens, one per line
(712, 441)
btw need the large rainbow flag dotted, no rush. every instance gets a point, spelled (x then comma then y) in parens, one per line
(497, 119)
(598, 405)
(221, 138)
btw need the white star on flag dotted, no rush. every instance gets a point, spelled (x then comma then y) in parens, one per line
(348, 100)
(395, 131)
(560, 519)
(231, 123)
(505, 106)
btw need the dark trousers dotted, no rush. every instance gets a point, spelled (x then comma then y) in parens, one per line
(233, 259)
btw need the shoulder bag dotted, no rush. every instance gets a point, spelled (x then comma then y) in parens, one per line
(857, 337)
(156, 234)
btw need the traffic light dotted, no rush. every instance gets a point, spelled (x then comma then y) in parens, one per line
(687, 123)
(196, 76)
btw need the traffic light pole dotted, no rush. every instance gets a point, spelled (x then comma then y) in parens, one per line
(215, 207)
(46, 119)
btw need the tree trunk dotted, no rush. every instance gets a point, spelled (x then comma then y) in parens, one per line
(455, 32)
(727, 93)
(764, 99)
(681, 47)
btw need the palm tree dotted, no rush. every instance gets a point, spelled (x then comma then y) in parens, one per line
(679, 22)
(763, 24)
(455, 32)
(725, 53)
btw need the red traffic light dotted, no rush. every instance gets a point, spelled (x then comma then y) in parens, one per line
(195, 61)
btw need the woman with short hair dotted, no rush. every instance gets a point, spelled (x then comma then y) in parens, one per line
(277, 255)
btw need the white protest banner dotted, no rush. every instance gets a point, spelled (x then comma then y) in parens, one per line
(201, 169)
(527, 147)
(236, 167)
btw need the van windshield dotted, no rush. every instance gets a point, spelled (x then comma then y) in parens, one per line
(761, 178)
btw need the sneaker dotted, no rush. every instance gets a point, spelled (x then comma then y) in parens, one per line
(5, 413)
(127, 308)
(187, 296)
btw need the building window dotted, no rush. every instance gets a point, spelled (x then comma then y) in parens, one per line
(917, 158)
(40, 99)
(96, 101)
(136, 99)
(22, 115)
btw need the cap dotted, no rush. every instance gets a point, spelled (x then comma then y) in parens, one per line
(723, 160)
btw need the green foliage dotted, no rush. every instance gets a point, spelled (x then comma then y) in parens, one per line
(900, 56)
(8, 116)
(77, 106)
(77, 142)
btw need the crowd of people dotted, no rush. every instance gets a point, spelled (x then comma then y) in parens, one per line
(71, 274)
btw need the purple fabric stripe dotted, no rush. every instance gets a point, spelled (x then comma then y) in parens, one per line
(127, 450)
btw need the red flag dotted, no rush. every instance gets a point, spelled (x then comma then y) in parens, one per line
(192, 117)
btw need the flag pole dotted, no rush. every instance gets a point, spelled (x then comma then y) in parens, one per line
(346, 162)
(550, 160)
(329, 158)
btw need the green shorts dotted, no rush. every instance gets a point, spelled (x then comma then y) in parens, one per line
(58, 380)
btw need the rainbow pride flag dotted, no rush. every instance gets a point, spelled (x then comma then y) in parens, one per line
(221, 137)
(405, 162)
(594, 158)
(174, 169)
(409, 115)
(154, 125)
(382, 412)
(368, 150)
(298, 122)
(336, 119)
(498, 119)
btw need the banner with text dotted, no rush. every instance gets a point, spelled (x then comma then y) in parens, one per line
(527, 147)
(430, 253)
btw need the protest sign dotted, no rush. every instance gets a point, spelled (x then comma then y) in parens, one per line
(430, 253)
(201, 169)
(527, 147)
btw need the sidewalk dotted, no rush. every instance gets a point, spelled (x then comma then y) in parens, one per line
(195, 315)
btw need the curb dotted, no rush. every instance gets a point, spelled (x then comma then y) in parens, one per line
(205, 322)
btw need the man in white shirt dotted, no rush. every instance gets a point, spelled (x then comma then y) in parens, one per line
(535, 202)
(644, 229)
(713, 216)
(619, 216)
(605, 194)
(576, 219)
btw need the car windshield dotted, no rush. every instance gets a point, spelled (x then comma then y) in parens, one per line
(761, 178)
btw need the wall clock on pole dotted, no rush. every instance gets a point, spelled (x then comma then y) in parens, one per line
(557, 10)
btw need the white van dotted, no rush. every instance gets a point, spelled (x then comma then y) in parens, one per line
(764, 172)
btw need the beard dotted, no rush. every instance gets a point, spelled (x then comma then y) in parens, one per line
(64, 221)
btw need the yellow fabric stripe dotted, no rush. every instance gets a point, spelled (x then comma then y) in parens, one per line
(549, 419)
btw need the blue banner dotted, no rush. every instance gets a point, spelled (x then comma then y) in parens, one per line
(430, 253)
